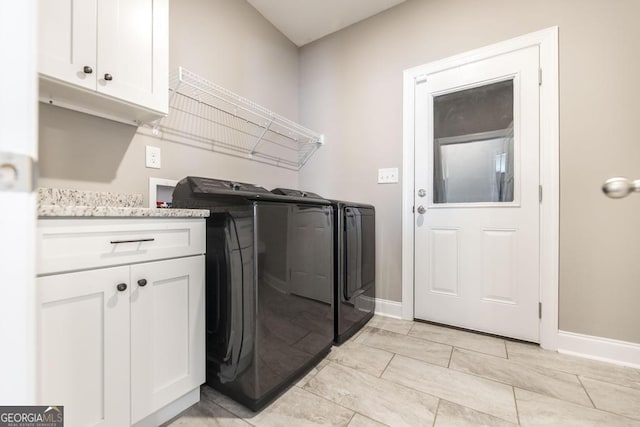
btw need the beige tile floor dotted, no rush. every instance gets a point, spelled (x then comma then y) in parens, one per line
(402, 373)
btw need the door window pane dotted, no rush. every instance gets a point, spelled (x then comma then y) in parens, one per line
(473, 145)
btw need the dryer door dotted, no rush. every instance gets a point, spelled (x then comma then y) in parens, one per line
(359, 251)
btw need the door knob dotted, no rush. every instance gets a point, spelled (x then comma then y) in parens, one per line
(421, 209)
(121, 287)
(87, 69)
(108, 77)
(619, 187)
(17, 172)
(8, 175)
(142, 282)
(422, 192)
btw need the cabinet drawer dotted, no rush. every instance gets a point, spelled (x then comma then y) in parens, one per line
(78, 244)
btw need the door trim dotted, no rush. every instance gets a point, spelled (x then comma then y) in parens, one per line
(547, 42)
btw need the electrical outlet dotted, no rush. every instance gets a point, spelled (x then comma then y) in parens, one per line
(388, 176)
(153, 159)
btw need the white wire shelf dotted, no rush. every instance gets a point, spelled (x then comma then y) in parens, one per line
(212, 117)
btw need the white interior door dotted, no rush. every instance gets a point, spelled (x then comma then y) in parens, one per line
(476, 195)
(18, 147)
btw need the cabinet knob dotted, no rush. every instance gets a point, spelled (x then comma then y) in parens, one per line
(108, 77)
(142, 282)
(122, 287)
(87, 69)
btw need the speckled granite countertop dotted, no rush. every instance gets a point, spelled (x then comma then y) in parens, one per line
(53, 202)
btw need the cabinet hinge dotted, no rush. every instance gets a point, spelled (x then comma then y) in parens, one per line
(539, 310)
(413, 209)
(540, 193)
(539, 76)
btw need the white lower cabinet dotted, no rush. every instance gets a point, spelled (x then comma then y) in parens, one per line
(84, 346)
(167, 333)
(119, 345)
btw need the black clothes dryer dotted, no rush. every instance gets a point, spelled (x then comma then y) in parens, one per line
(354, 263)
(269, 286)
(355, 254)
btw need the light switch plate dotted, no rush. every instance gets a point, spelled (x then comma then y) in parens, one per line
(153, 159)
(388, 176)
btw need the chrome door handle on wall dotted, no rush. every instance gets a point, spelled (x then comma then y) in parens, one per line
(422, 192)
(421, 210)
(619, 187)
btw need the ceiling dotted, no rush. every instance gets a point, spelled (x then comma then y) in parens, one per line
(304, 21)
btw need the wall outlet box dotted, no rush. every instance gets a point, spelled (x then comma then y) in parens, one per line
(153, 159)
(388, 176)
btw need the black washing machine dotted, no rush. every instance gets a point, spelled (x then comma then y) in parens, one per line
(269, 292)
(354, 263)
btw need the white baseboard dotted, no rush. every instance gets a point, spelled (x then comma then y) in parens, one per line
(388, 308)
(598, 348)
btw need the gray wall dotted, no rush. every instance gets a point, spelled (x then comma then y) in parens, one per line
(351, 89)
(349, 86)
(227, 42)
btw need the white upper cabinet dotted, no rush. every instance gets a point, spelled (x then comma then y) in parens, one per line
(132, 49)
(68, 41)
(105, 57)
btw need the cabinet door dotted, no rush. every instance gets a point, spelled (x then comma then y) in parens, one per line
(133, 43)
(67, 40)
(84, 346)
(167, 332)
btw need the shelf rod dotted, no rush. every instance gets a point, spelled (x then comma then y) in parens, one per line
(224, 111)
(266, 114)
(206, 113)
(283, 123)
(232, 150)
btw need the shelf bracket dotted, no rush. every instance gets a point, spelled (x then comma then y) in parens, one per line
(264, 132)
(310, 153)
